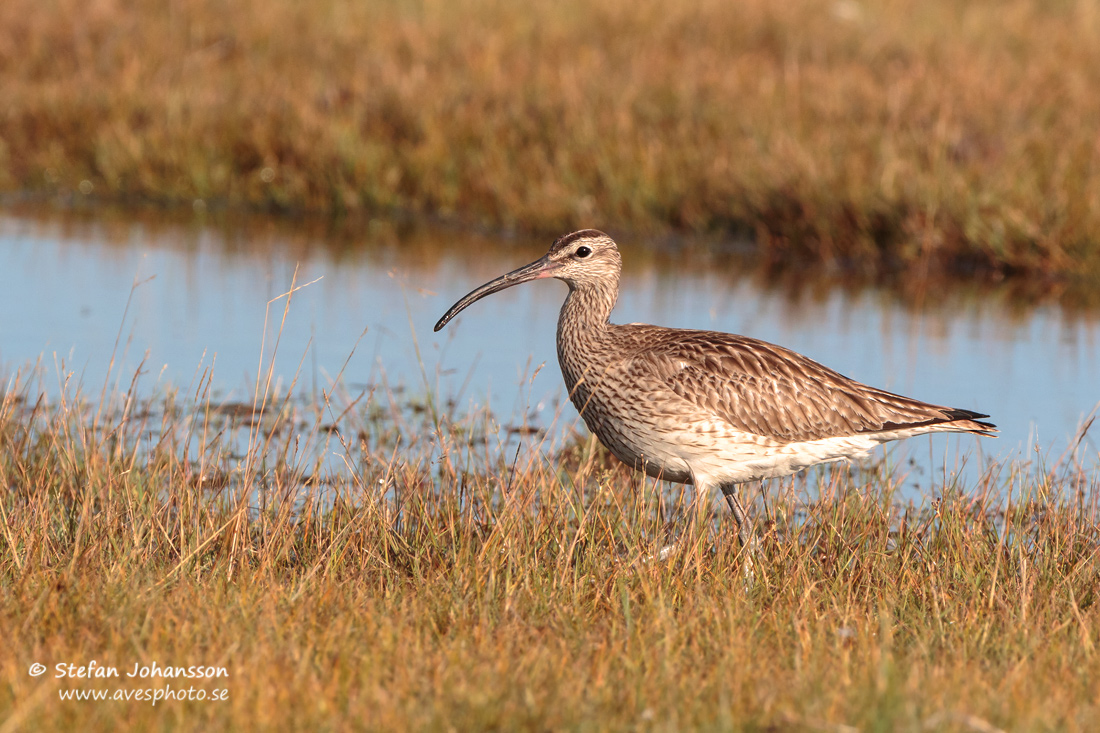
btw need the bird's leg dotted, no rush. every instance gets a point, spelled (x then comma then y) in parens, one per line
(699, 506)
(698, 526)
(744, 529)
(687, 537)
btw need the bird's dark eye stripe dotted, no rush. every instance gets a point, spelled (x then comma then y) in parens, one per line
(583, 251)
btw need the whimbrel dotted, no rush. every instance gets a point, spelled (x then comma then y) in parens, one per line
(701, 407)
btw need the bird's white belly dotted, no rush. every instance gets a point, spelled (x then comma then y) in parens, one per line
(747, 457)
(710, 453)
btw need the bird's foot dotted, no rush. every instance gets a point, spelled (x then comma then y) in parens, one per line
(662, 554)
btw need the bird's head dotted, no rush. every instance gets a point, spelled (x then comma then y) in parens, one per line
(588, 258)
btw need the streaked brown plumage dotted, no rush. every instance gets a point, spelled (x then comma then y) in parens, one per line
(702, 407)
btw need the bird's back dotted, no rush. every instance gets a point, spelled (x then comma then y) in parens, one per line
(754, 386)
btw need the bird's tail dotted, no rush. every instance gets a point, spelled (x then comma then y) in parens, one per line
(966, 421)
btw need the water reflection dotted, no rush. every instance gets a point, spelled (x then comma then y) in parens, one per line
(1026, 354)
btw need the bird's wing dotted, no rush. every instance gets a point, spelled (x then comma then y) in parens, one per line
(773, 392)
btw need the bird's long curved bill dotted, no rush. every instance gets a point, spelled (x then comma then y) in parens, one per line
(540, 268)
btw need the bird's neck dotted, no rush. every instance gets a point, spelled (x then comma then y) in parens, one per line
(582, 326)
(587, 309)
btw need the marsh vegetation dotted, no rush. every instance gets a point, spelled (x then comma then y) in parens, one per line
(434, 577)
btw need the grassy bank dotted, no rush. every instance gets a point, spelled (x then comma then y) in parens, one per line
(932, 135)
(436, 580)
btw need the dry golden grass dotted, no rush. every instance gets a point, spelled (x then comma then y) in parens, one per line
(430, 583)
(920, 134)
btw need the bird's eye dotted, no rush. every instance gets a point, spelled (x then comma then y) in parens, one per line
(583, 251)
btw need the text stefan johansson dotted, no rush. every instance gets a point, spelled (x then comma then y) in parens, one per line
(94, 669)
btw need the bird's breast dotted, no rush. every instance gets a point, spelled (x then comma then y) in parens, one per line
(624, 421)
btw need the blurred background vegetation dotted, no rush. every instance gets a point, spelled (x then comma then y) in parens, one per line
(947, 136)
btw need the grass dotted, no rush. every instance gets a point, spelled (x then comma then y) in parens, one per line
(927, 136)
(362, 562)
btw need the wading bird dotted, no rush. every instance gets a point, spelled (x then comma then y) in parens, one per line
(701, 407)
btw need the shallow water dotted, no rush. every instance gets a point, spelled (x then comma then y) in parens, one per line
(203, 292)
